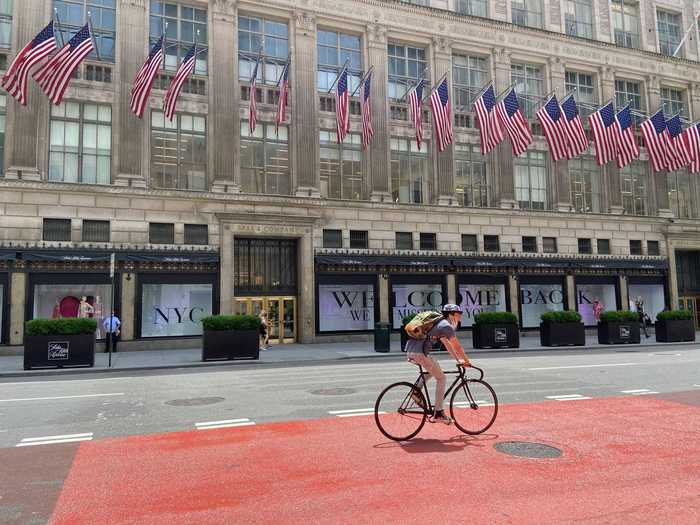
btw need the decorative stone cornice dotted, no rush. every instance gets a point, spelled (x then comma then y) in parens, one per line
(442, 45)
(133, 3)
(376, 34)
(305, 21)
(224, 10)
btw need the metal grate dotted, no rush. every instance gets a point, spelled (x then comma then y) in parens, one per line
(56, 230)
(196, 234)
(636, 247)
(404, 241)
(530, 244)
(428, 241)
(492, 243)
(470, 243)
(359, 240)
(603, 246)
(161, 233)
(95, 231)
(332, 238)
(265, 267)
(549, 244)
(653, 248)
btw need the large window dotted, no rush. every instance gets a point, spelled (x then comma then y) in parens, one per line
(81, 143)
(409, 172)
(341, 166)
(178, 152)
(264, 267)
(406, 65)
(670, 31)
(584, 175)
(471, 184)
(103, 14)
(265, 160)
(531, 180)
(469, 75)
(679, 192)
(634, 183)
(268, 39)
(3, 116)
(5, 25)
(538, 297)
(182, 25)
(527, 13)
(173, 310)
(625, 15)
(582, 84)
(628, 92)
(674, 101)
(472, 7)
(529, 85)
(346, 303)
(334, 50)
(77, 299)
(578, 16)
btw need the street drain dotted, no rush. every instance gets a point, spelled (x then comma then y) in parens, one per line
(194, 401)
(333, 391)
(524, 449)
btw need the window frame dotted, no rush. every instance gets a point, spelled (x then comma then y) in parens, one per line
(625, 36)
(528, 10)
(177, 128)
(527, 244)
(578, 7)
(605, 245)
(360, 237)
(419, 189)
(63, 222)
(585, 245)
(192, 236)
(351, 146)
(426, 240)
(632, 200)
(341, 54)
(552, 241)
(88, 222)
(492, 243)
(673, 106)
(467, 7)
(527, 161)
(268, 137)
(467, 185)
(637, 246)
(272, 64)
(330, 237)
(584, 171)
(667, 45)
(525, 76)
(586, 105)
(398, 84)
(168, 227)
(183, 46)
(403, 236)
(467, 238)
(98, 31)
(6, 20)
(476, 78)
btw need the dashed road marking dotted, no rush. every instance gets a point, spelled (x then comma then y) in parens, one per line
(225, 423)
(639, 392)
(54, 440)
(353, 412)
(568, 397)
(59, 397)
(581, 366)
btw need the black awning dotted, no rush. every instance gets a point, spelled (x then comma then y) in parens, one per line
(7, 256)
(173, 258)
(65, 256)
(70, 256)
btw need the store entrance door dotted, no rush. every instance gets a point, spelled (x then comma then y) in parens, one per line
(692, 304)
(281, 315)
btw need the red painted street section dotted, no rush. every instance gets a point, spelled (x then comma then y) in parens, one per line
(626, 460)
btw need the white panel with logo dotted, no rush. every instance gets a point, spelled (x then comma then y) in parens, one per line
(414, 298)
(171, 310)
(477, 298)
(345, 307)
(536, 299)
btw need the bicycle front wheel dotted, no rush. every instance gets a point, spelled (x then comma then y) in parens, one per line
(397, 414)
(474, 406)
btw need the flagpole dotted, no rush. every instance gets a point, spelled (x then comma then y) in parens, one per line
(685, 37)
(58, 23)
(92, 36)
(345, 66)
(437, 85)
(364, 77)
(481, 92)
(512, 85)
(289, 57)
(417, 82)
(257, 65)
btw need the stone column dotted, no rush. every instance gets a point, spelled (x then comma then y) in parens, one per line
(305, 107)
(694, 99)
(24, 150)
(384, 316)
(445, 161)
(624, 292)
(307, 292)
(672, 275)
(226, 270)
(451, 288)
(127, 310)
(610, 172)
(571, 293)
(379, 150)
(132, 132)
(513, 295)
(503, 155)
(18, 291)
(224, 98)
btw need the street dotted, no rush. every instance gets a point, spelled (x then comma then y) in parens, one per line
(298, 444)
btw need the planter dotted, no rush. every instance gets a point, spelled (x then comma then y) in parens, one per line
(59, 351)
(230, 344)
(505, 335)
(675, 331)
(618, 332)
(562, 334)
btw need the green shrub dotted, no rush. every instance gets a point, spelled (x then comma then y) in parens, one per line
(566, 316)
(407, 319)
(218, 323)
(619, 316)
(495, 318)
(674, 315)
(65, 326)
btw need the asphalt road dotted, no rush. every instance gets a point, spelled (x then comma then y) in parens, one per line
(87, 407)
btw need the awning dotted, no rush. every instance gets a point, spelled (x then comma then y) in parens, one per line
(104, 256)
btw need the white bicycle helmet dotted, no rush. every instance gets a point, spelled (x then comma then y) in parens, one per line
(451, 308)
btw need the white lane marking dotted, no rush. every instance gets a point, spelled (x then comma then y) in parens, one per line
(568, 397)
(54, 440)
(65, 436)
(57, 381)
(59, 397)
(639, 392)
(222, 422)
(581, 366)
(697, 386)
(338, 412)
(359, 414)
(229, 425)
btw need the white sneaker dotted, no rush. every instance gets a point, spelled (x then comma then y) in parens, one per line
(441, 418)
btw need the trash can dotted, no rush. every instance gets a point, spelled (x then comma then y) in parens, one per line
(382, 337)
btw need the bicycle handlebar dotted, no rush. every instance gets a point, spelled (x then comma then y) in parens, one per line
(481, 372)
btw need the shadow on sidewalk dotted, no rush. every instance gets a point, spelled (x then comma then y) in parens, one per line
(433, 445)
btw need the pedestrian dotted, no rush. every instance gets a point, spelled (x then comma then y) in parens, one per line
(112, 324)
(639, 305)
(597, 309)
(264, 331)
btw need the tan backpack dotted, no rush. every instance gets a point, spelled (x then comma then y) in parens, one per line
(421, 324)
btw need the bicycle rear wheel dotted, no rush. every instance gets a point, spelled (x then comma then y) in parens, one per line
(397, 414)
(474, 406)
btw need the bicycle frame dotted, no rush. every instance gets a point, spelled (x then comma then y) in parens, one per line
(461, 378)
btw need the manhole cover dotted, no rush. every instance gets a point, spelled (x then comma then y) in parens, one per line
(333, 391)
(194, 401)
(523, 449)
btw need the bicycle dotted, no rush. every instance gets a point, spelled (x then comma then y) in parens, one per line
(402, 408)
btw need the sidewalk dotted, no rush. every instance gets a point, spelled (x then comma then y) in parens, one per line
(12, 366)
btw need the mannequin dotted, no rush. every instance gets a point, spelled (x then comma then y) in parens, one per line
(85, 309)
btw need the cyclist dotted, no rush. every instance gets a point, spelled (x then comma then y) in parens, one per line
(418, 352)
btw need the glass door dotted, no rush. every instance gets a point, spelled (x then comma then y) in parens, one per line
(281, 315)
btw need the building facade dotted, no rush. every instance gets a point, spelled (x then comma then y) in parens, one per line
(204, 216)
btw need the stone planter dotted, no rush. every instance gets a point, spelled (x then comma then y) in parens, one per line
(675, 331)
(230, 344)
(562, 334)
(618, 332)
(59, 351)
(496, 336)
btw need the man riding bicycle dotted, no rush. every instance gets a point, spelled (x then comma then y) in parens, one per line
(421, 343)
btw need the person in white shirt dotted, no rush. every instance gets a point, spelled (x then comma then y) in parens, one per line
(111, 325)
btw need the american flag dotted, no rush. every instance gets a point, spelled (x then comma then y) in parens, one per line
(183, 72)
(442, 119)
(366, 101)
(680, 155)
(143, 82)
(415, 101)
(15, 80)
(489, 127)
(692, 141)
(552, 121)
(605, 134)
(253, 103)
(342, 106)
(657, 140)
(54, 76)
(514, 121)
(627, 147)
(284, 98)
(578, 140)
